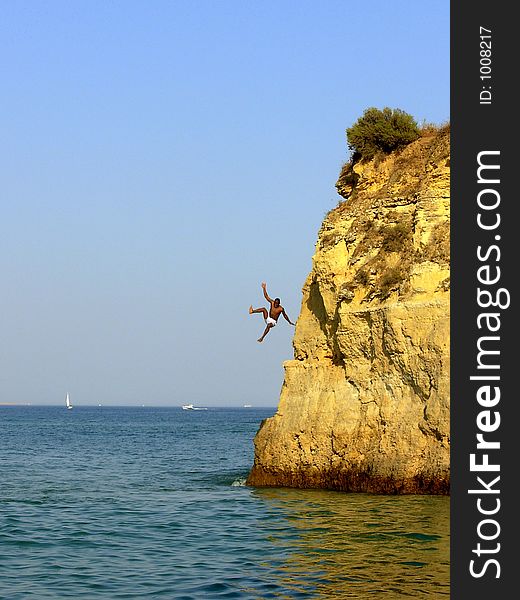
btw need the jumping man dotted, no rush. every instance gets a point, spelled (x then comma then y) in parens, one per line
(274, 312)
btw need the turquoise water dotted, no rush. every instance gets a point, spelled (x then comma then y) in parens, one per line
(150, 503)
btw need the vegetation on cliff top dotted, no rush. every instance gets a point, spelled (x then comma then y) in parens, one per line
(381, 131)
(348, 177)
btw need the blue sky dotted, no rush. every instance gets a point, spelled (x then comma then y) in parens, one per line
(159, 160)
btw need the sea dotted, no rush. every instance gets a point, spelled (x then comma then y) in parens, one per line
(145, 502)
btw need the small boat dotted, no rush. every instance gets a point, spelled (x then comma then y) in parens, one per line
(191, 407)
(248, 405)
(67, 402)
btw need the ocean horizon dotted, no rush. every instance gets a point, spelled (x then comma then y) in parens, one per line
(272, 409)
(151, 502)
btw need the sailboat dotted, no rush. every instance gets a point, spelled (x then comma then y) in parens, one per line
(67, 401)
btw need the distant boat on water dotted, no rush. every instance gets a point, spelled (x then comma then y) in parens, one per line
(67, 402)
(191, 407)
(248, 405)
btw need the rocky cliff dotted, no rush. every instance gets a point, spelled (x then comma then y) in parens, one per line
(365, 403)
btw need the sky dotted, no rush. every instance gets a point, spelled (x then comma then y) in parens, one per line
(159, 160)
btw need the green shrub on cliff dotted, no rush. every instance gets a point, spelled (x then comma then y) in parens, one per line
(381, 131)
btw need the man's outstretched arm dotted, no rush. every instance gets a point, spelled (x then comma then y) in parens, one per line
(266, 296)
(287, 318)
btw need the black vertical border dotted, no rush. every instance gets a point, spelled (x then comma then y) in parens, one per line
(477, 127)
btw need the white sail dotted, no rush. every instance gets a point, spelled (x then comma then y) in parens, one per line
(67, 401)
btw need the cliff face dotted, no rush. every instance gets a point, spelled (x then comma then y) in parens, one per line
(365, 403)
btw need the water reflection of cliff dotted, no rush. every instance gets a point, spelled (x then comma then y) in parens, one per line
(360, 546)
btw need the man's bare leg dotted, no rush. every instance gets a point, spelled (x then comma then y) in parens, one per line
(266, 331)
(258, 310)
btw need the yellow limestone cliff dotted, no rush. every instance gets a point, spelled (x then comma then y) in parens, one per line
(365, 403)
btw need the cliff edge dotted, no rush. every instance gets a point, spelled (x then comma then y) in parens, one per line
(365, 402)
